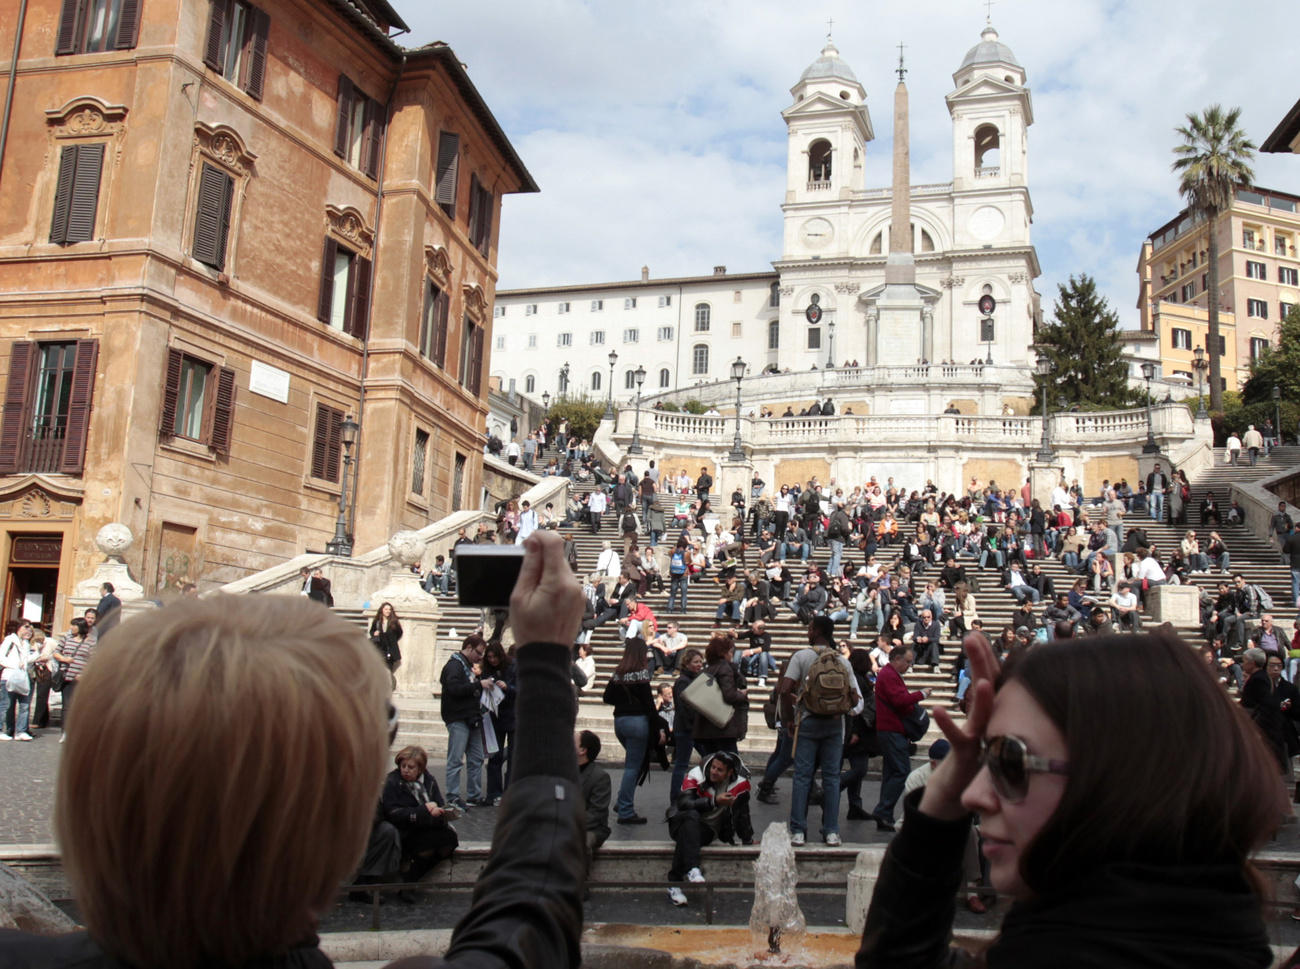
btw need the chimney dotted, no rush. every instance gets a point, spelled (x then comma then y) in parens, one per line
(719, 270)
(645, 274)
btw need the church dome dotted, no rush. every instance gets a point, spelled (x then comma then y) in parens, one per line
(989, 50)
(828, 65)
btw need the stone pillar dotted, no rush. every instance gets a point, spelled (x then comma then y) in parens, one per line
(419, 614)
(730, 477)
(861, 886)
(1042, 479)
(112, 540)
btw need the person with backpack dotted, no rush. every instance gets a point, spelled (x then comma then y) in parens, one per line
(894, 703)
(678, 576)
(629, 528)
(816, 692)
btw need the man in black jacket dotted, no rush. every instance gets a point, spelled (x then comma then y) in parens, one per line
(596, 789)
(461, 689)
(703, 484)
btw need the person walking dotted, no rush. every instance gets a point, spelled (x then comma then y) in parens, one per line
(1157, 485)
(719, 658)
(462, 688)
(826, 692)
(15, 656)
(628, 692)
(894, 702)
(1253, 442)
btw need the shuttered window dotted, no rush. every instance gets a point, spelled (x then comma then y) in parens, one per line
(471, 357)
(236, 44)
(433, 324)
(327, 443)
(481, 202)
(77, 196)
(447, 174)
(198, 401)
(359, 128)
(47, 407)
(419, 456)
(87, 26)
(212, 216)
(344, 302)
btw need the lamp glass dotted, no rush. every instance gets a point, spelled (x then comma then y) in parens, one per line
(1277, 393)
(1148, 369)
(640, 376)
(1199, 354)
(738, 369)
(613, 357)
(348, 431)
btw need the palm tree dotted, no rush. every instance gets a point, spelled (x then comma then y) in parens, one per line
(1213, 160)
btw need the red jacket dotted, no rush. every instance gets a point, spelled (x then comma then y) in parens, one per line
(893, 700)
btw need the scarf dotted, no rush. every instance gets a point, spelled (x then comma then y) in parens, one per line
(1130, 915)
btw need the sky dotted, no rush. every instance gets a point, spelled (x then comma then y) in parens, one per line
(654, 130)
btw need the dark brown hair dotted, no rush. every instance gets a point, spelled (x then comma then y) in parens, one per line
(1174, 775)
(634, 658)
(719, 645)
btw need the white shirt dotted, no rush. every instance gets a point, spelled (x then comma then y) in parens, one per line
(1149, 569)
(598, 502)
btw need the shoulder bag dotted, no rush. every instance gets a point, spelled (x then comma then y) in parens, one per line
(705, 696)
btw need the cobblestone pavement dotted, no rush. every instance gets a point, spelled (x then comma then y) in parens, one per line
(29, 770)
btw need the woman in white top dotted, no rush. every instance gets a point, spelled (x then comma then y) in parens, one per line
(587, 664)
(15, 654)
(608, 564)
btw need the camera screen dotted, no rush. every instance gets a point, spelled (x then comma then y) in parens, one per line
(486, 574)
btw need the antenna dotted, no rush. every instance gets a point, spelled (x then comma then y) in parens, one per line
(901, 69)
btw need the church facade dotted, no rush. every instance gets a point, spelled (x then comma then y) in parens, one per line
(965, 258)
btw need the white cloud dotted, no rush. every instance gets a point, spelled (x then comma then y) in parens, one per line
(656, 137)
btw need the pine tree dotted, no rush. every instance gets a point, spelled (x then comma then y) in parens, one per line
(1084, 346)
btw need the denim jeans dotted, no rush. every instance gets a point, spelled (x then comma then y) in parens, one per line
(851, 779)
(1295, 585)
(1156, 502)
(682, 749)
(893, 748)
(760, 664)
(634, 734)
(991, 553)
(677, 586)
(837, 553)
(20, 717)
(780, 758)
(803, 548)
(877, 617)
(464, 742)
(1022, 592)
(820, 744)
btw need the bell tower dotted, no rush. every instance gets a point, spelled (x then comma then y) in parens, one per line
(991, 112)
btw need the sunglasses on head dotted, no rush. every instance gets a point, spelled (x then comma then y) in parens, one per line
(1010, 763)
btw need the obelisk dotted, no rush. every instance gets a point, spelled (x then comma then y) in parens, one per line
(900, 265)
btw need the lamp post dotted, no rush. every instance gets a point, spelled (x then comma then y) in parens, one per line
(1044, 367)
(1150, 447)
(546, 401)
(737, 374)
(1199, 364)
(564, 379)
(830, 343)
(609, 404)
(341, 544)
(1277, 414)
(635, 447)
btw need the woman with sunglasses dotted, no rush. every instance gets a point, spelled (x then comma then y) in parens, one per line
(1114, 853)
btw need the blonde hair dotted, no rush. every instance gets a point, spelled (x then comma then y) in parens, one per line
(225, 778)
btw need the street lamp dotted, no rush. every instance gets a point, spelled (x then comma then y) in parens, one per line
(1150, 447)
(609, 404)
(830, 343)
(737, 374)
(635, 447)
(564, 379)
(1199, 365)
(1044, 367)
(341, 544)
(1277, 413)
(546, 400)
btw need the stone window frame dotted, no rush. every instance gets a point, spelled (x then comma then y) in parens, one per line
(83, 120)
(224, 148)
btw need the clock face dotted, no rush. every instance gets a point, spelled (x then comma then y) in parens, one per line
(816, 233)
(986, 223)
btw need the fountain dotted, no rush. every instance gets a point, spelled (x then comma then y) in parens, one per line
(776, 918)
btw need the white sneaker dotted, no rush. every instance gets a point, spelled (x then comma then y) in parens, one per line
(676, 896)
(833, 840)
(5, 736)
(24, 736)
(798, 838)
(695, 876)
(762, 681)
(62, 737)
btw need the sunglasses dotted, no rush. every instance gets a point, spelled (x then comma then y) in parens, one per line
(1010, 764)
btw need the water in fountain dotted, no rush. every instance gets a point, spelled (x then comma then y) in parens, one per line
(776, 924)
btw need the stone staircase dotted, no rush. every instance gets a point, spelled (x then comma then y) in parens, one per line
(421, 723)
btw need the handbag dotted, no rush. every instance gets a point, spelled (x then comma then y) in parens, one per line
(916, 723)
(705, 695)
(16, 681)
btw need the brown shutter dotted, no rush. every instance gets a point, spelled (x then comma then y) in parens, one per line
(440, 331)
(257, 55)
(85, 193)
(63, 194)
(476, 361)
(223, 414)
(344, 113)
(212, 218)
(83, 390)
(448, 171)
(325, 304)
(128, 25)
(334, 446)
(213, 49)
(319, 438)
(69, 26)
(327, 443)
(426, 321)
(375, 121)
(475, 201)
(13, 423)
(359, 310)
(171, 394)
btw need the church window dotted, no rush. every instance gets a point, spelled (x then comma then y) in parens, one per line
(774, 295)
(700, 359)
(737, 329)
(595, 380)
(703, 317)
(987, 150)
(530, 384)
(665, 378)
(629, 380)
(774, 335)
(819, 161)
(844, 95)
(814, 338)
(877, 244)
(1181, 338)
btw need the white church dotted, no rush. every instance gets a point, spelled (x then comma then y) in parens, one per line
(878, 281)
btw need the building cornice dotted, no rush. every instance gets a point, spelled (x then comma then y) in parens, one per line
(649, 284)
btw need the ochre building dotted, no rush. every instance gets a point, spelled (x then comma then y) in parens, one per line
(225, 228)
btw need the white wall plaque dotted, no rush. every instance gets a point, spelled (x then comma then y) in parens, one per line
(269, 381)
